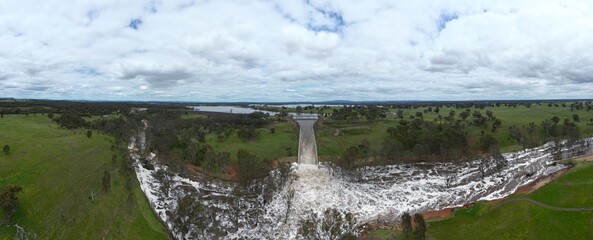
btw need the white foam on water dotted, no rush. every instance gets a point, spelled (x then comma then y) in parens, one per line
(368, 195)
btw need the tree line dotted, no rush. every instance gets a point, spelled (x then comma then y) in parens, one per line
(448, 138)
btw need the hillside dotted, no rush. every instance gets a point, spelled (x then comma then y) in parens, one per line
(58, 170)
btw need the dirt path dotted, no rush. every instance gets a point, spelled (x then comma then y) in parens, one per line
(529, 188)
(545, 205)
(586, 158)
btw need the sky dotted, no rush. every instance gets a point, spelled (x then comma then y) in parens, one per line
(293, 50)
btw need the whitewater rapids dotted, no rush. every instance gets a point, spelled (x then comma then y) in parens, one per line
(321, 202)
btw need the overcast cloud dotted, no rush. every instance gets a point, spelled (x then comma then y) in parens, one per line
(290, 50)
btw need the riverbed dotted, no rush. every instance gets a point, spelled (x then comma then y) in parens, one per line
(324, 202)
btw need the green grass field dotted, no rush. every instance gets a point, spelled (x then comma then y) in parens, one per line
(353, 133)
(334, 137)
(524, 220)
(57, 170)
(384, 234)
(269, 145)
(518, 116)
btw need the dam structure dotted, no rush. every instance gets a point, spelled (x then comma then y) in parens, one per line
(307, 153)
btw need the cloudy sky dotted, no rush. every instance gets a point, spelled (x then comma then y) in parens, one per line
(292, 50)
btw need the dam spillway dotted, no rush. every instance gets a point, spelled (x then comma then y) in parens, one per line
(307, 153)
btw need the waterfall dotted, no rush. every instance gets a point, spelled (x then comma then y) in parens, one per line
(307, 144)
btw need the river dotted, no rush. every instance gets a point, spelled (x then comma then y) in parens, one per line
(319, 201)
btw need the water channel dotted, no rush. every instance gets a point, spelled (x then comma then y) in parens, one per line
(319, 201)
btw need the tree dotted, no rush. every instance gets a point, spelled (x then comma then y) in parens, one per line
(190, 213)
(392, 131)
(419, 115)
(6, 149)
(496, 124)
(248, 134)
(575, 117)
(489, 114)
(463, 115)
(332, 222)
(214, 161)
(249, 167)
(348, 160)
(71, 120)
(106, 183)
(483, 167)
(407, 225)
(571, 131)
(420, 150)
(420, 226)
(399, 114)
(164, 177)
(391, 149)
(486, 141)
(452, 113)
(89, 133)
(9, 201)
(497, 159)
(282, 114)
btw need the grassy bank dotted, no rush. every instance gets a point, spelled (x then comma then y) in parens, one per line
(58, 169)
(282, 142)
(333, 137)
(524, 220)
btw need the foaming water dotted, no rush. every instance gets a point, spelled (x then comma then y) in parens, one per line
(323, 202)
(307, 144)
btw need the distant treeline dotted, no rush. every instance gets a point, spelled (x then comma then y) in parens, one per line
(84, 108)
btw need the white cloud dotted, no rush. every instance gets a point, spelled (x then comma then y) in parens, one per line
(284, 50)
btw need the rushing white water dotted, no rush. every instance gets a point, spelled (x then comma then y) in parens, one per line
(324, 203)
(307, 144)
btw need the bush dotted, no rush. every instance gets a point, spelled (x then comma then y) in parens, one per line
(486, 141)
(71, 120)
(6, 149)
(575, 117)
(248, 134)
(407, 225)
(249, 167)
(106, 181)
(420, 226)
(9, 202)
